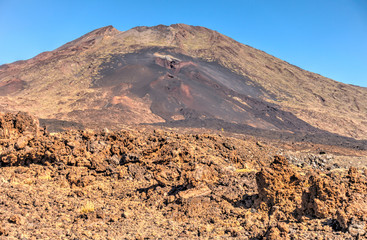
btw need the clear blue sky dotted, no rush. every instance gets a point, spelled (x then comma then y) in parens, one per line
(328, 37)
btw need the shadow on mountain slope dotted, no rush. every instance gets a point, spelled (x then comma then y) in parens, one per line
(316, 136)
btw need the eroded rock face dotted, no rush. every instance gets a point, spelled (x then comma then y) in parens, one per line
(13, 125)
(280, 186)
(288, 195)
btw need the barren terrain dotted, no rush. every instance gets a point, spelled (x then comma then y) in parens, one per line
(161, 184)
(178, 132)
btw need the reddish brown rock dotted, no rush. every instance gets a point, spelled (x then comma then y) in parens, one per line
(16, 219)
(279, 185)
(165, 184)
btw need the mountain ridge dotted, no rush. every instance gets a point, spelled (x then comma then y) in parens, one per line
(67, 73)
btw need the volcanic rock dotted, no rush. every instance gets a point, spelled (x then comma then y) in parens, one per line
(153, 184)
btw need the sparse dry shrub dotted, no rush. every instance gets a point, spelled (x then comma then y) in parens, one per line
(87, 208)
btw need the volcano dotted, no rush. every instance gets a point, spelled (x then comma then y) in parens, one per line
(179, 75)
(182, 133)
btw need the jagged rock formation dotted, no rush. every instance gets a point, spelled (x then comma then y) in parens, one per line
(178, 74)
(157, 184)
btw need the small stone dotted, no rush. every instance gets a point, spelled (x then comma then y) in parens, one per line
(100, 213)
(3, 231)
(105, 131)
(171, 198)
(127, 214)
(357, 229)
(114, 160)
(365, 172)
(72, 144)
(14, 219)
(195, 192)
(229, 169)
(342, 219)
(283, 227)
(86, 180)
(21, 142)
(113, 219)
(273, 234)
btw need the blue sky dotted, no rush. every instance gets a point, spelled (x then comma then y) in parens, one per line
(328, 37)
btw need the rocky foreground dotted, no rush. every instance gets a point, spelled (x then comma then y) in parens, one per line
(144, 184)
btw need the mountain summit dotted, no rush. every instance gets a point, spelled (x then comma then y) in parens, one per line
(179, 75)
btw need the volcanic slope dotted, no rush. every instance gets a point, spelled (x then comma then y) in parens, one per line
(179, 75)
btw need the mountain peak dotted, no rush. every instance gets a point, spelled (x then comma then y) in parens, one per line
(108, 30)
(90, 38)
(176, 26)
